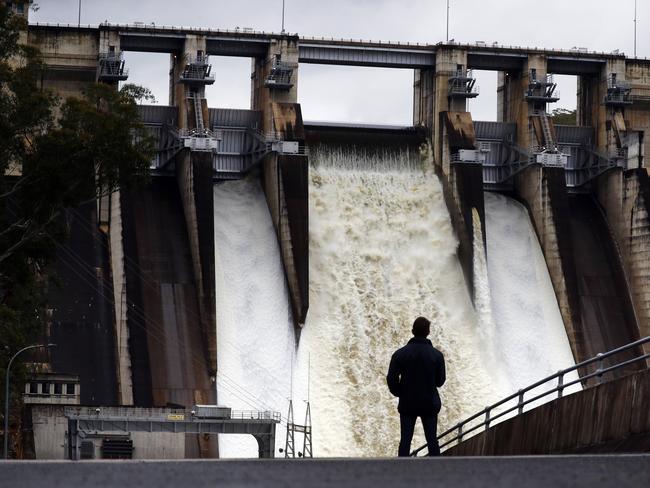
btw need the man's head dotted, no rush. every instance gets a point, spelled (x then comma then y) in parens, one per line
(421, 327)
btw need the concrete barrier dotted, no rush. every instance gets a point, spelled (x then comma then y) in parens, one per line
(612, 417)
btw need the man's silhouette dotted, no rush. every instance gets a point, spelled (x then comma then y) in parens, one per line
(416, 372)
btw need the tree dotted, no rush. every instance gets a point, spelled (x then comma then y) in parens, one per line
(563, 116)
(54, 154)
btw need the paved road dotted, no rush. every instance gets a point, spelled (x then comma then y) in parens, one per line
(619, 471)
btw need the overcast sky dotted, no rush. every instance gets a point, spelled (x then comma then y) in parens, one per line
(368, 94)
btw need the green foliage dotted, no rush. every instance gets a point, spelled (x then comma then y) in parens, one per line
(54, 154)
(562, 116)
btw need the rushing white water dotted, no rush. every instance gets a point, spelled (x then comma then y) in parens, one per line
(255, 335)
(529, 333)
(382, 252)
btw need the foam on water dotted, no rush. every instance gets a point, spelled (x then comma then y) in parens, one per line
(382, 252)
(529, 332)
(255, 335)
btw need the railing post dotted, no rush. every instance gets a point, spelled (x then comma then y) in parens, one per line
(460, 432)
(560, 383)
(520, 404)
(487, 418)
(600, 367)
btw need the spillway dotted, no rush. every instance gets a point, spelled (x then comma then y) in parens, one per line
(255, 335)
(382, 252)
(529, 333)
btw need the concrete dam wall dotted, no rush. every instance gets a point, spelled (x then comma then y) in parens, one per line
(168, 357)
(299, 278)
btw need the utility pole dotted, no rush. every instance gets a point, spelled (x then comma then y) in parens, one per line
(635, 1)
(6, 425)
(447, 20)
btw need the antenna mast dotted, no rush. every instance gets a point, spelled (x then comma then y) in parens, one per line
(447, 20)
(635, 20)
(282, 16)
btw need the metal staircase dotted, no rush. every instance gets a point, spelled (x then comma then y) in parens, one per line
(549, 140)
(198, 113)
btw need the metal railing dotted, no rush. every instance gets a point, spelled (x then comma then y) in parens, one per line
(459, 429)
(159, 414)
(256, 415)
(152, 27)
(618, 153)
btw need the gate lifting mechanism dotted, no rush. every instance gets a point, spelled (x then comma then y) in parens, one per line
(462, 84)
(280, 74)
(111, 67)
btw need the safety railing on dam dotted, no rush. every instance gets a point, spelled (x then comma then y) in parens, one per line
(462, 429)
(163, 414)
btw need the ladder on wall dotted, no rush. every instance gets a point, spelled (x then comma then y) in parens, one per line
(549, 140)
(198, 113)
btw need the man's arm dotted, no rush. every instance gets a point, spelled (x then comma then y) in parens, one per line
(441, 374)
(393, 376)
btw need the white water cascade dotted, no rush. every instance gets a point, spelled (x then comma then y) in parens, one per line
(529, 333)
(255, 335)
(382, 252)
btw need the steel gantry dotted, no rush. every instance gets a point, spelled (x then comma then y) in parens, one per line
(85, 422)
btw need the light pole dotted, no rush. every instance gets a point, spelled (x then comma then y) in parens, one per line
(635, 28)
(447, 20)
(6, 426)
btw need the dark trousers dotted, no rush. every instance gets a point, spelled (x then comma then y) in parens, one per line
(407, 425)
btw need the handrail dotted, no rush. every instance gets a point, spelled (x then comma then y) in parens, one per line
(561, 386)
(247, 31)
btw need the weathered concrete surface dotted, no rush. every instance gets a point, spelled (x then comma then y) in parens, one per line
(463, 191)
(285, 181)
(262, 97)
(194, 177)
(532, 472)
(607, 316)
(611, 417)
(462, 186)
(163, 315)
(120, 305)
(625, 198)
(82, 315)
(583, 262)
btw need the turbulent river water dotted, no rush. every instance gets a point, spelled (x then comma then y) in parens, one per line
(382, 252)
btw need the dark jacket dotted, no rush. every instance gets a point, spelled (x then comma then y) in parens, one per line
(416, 372)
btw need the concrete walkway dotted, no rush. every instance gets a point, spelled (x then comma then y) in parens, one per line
(618, 471)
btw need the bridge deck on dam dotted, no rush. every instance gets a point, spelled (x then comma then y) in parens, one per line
(351, 52)
(531, 472)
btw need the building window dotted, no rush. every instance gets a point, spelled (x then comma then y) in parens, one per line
(58, 389)
(33, 388)
(20, 8)
(69, 389)
(45, 388)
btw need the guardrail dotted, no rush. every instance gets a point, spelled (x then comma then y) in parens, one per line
(256, 415)
(163, 414)
(599, 359)
(247, 30)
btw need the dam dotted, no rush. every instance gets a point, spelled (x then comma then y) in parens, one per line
(273, 259)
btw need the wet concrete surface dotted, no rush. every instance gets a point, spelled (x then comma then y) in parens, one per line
(532, 472)
(606, 310)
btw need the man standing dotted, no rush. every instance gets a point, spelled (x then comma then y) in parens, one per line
(416, 372)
